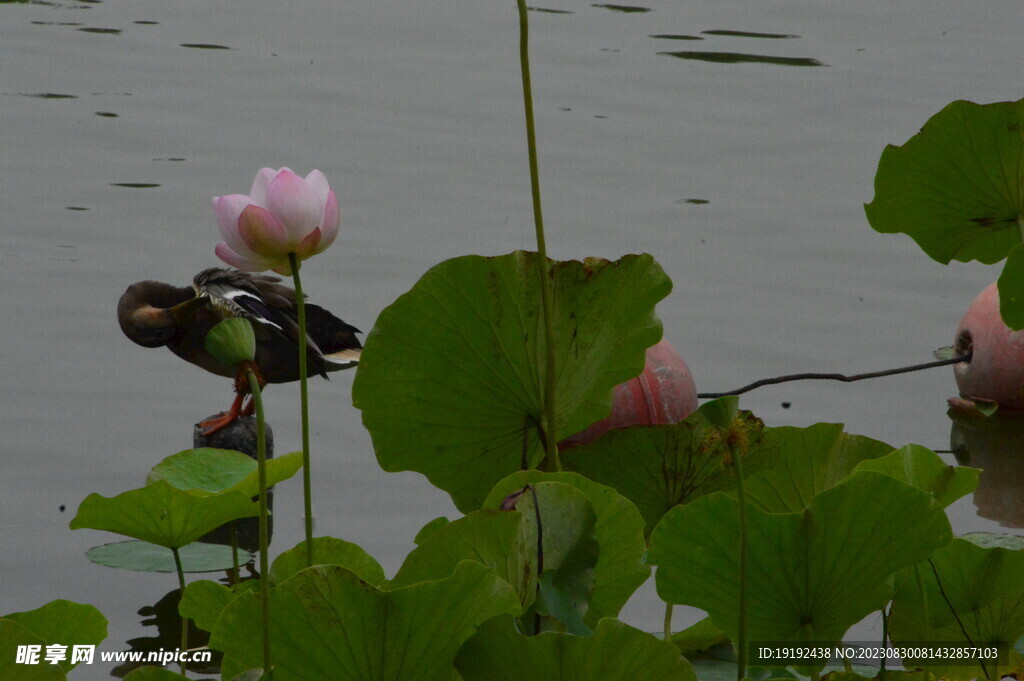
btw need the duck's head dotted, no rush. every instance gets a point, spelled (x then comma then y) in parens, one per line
(152, 313)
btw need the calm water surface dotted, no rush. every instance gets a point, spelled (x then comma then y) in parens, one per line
(736, 141)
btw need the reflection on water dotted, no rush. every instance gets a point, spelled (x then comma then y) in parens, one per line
(738, 58)
(205, 46)
(995, 445)
(46, 95)
(624, 8)
(670, 36)
(748, 34)
(164, 616)
(549, 10)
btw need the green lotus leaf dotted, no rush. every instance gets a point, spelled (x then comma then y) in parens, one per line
(956, 187)
(988, 540)
(874, 675)
(811, 574)
(326, 623)
(616, 651)
(153, 674)
(450, 381)
(810, 460)
(161, 514)
(13, 635)
(922, 468)
(620, 538)
(63, 623)
(142, 556)
(985, 588)
(328, 551)
(253, 675)
(204, 600)
(658, 467)
(497, 539)
(569, 556)
(219, 470)
(1011, 288)
(699, 638)
(427, 530)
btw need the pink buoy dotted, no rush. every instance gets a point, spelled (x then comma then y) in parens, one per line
(996, 370)
(663, 393)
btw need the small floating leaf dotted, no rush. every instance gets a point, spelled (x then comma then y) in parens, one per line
(988, 540)
(142, 556)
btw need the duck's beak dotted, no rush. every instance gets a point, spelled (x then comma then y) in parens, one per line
(182, 311)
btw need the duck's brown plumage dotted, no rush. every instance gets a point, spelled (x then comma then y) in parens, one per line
(155, 314)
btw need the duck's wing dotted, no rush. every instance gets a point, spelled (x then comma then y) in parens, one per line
(336, 339)
(260, 298)
(256, 297)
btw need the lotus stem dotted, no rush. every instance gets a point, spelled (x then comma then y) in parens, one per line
(261, 460)
(668, 622)
(233, 533)
(540, 552)
(736, 451)
(546, 295)
(307, 487)
(181, 586)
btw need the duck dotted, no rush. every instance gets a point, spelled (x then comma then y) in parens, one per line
(154, 314)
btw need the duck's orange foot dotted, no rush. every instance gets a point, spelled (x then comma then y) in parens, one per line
(211, 426)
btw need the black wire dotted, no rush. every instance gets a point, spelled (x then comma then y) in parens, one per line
(838, 377)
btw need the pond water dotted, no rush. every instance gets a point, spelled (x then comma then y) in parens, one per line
(735, 141)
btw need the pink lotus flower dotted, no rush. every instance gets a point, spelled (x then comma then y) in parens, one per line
(282, 214)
